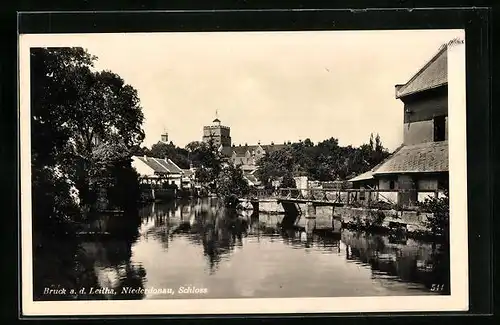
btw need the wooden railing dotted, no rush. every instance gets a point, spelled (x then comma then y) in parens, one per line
(364, 197)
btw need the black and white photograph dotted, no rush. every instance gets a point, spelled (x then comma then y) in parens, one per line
(243, 172)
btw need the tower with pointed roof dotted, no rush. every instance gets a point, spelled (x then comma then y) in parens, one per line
(220, 134)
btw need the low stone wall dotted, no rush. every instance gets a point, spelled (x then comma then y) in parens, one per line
(329, 217)
(324, 217)
(411, 220)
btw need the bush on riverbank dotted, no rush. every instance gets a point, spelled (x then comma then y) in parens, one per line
(438, 223)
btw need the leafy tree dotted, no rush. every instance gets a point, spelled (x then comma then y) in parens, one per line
(113, 173)
(74, 109)
(378, 144)
(209, 163)
(231, 184)
(275, 165)
(140, 151)
(325, 161)
(178, 155)
(193, 145)
(288, 181)
(83, 125)
(308, 143)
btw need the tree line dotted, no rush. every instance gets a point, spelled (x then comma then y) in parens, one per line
(325, 161)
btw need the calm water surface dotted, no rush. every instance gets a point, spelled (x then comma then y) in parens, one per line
(194, 249)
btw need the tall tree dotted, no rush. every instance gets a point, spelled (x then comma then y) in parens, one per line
(209, 164)
(193, 145)
(74, 110)
(231, 185)
(378, 144)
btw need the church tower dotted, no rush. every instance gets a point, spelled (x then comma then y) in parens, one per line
(219, 133)
(164, 136)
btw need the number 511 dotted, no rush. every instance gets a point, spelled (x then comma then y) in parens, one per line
(437, 287)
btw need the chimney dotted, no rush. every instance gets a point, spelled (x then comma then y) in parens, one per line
(145, 157)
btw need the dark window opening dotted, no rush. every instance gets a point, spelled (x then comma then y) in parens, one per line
(443, 184)
(392, 185)
(439, 128)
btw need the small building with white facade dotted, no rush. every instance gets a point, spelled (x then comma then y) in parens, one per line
(157, 171)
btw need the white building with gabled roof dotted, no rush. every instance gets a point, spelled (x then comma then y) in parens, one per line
(155, 170)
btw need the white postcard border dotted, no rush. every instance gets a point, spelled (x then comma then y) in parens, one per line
(457, 301)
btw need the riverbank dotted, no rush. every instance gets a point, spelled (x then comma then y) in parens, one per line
(321, 216)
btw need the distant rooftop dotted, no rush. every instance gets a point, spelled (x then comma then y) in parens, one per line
(241, 150)
(163, 166)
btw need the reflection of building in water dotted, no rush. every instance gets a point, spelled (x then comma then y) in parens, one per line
(404, 261)
(203, 224)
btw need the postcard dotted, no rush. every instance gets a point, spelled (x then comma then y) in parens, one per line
(243, 172)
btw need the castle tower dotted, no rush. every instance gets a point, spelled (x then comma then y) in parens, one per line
(219, 133)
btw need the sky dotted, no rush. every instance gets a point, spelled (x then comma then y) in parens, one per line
(267, 86)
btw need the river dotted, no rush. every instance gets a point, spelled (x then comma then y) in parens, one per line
(195, 249)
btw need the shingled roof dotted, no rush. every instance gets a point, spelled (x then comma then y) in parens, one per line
(369, 174)
(242, 150)
(188, 172)
(163, 166)
(274, 147)
(427, 157)
(432, 75)
(362, 177)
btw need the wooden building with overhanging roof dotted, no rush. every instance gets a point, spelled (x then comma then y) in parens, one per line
(158, 170)
(419, 167)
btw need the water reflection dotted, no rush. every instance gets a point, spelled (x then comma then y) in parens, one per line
(187, 246)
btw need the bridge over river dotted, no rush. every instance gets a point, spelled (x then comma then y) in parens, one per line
(315, 208)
